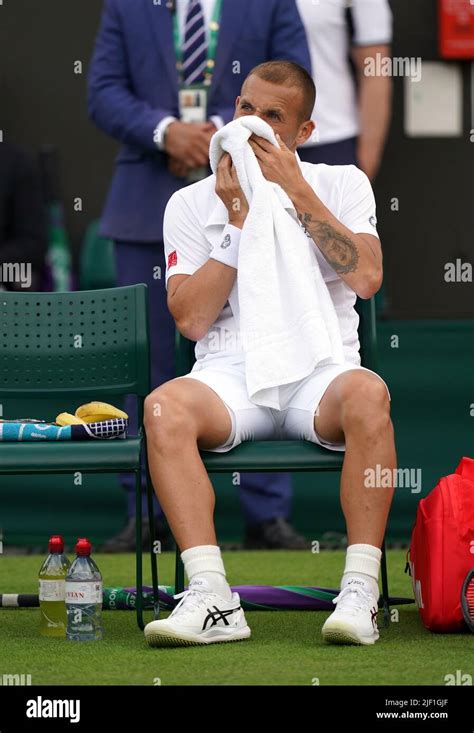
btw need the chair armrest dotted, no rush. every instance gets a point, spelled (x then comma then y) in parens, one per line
(184, 354)
(367, 333)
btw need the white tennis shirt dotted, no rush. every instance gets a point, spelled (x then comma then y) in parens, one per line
(327, 32)
(194, 221)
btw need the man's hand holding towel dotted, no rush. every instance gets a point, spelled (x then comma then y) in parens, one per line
(278, 165)
(229, 191)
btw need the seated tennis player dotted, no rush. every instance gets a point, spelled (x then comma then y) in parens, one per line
(341, 406)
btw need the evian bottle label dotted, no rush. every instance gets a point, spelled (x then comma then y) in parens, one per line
(85, 592)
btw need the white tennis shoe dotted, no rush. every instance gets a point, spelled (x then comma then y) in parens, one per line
(201, 617)
(355, 619)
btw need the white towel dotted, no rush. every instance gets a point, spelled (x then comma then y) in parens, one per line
(288, 322)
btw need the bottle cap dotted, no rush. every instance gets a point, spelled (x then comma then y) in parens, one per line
(56, 543)
(83, 547)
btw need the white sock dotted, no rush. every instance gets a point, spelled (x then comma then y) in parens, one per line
(205, 561)
(363, 561)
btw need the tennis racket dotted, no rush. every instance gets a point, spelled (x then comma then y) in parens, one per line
(467, 599)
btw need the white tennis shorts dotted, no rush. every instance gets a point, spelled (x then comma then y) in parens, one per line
(254, 422)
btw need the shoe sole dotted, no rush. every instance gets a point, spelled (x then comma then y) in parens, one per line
(155, 639)
(342, 635)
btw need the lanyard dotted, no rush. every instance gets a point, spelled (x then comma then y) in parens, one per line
(211, 47)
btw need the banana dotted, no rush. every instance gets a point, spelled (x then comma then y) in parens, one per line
(97, 418)
(65, 418)
(98, 411)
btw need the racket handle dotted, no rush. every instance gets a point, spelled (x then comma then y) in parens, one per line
(18, 600)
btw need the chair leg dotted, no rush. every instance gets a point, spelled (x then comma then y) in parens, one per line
(138, 549)
(153, 550)
(179, 573)
(385, 594)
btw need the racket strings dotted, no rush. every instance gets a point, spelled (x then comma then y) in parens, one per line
(467, 599)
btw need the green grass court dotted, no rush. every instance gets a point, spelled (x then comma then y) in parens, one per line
(286, 648)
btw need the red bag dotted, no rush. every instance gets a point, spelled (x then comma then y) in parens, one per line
(442, 549)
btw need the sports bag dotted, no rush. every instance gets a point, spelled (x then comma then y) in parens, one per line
(442, 549)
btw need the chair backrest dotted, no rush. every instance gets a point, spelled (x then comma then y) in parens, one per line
(91, 342)
(97, 268)
(367, 336)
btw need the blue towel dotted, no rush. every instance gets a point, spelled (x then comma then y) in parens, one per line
(16, 431)
(20, 431)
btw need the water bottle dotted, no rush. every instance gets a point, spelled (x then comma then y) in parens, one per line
(51, 582)
(84, 596)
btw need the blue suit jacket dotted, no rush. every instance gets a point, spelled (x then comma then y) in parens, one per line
(133, 84)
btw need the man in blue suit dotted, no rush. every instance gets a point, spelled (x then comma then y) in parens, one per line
(147, 53)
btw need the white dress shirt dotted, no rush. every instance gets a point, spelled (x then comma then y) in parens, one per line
(181, 12)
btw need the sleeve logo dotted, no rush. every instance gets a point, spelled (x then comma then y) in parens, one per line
(373, 221)
(172, 259)
(226, 242)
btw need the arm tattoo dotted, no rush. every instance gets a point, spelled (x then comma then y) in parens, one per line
(340, 251)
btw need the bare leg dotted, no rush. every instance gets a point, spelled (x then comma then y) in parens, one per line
(356, 408)
(182, 416)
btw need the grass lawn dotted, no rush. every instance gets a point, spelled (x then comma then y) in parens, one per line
(286, 648)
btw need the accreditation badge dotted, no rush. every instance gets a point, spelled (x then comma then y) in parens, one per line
(193, 108)
(193, 104)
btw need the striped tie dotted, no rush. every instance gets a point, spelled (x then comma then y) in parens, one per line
(194, 45)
